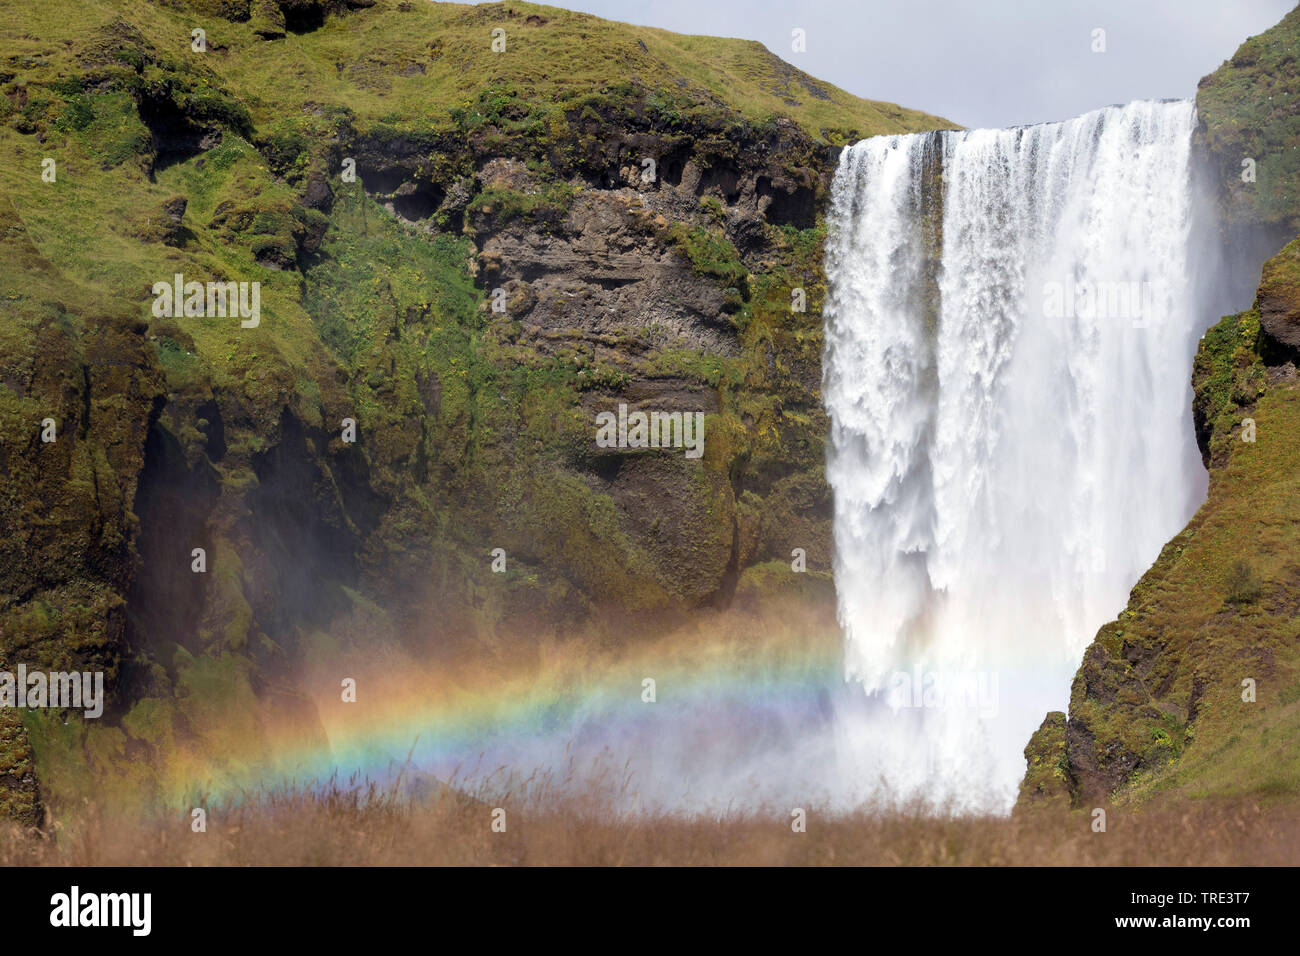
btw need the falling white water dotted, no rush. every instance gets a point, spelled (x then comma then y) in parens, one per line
(1011, 442)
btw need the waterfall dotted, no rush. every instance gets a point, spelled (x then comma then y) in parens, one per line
(1010, 328)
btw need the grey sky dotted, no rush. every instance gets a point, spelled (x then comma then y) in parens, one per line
(984, 63)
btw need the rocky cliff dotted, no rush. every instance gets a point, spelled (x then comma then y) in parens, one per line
(473, 230)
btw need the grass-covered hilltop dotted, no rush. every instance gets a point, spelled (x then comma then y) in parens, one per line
(467, 252)
(1194, 690)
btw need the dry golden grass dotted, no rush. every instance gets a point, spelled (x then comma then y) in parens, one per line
(364, 826)
(358, 823)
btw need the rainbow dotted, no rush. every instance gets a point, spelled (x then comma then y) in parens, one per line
(714, 713)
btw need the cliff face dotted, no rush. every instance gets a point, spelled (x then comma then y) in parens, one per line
(79, 386)
(1194, 690)
(597, 215)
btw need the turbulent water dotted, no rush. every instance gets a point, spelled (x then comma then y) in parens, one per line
(1010, 330)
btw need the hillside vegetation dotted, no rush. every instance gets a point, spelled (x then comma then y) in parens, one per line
(481, 178)
(427, 63)
(1250, 111)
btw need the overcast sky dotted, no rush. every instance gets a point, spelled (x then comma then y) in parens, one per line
(984, 62)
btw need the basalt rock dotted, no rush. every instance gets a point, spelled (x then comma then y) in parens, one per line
(1278, 303)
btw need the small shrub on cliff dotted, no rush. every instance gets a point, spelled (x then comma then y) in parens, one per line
(1242, 586)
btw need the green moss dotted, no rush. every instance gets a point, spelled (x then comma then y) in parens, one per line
(548, 205)
(434, 64)
(1250, 110)
(712, 254)
(771, 580)
(1228, 376)
(1047, 783)
(1211, 613)
(19, 796)
(1161, 693)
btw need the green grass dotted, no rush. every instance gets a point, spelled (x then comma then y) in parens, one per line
(427, 67)
(1250, 108)
(550, 205)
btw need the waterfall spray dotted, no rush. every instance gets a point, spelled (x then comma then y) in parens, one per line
(1010, 331)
